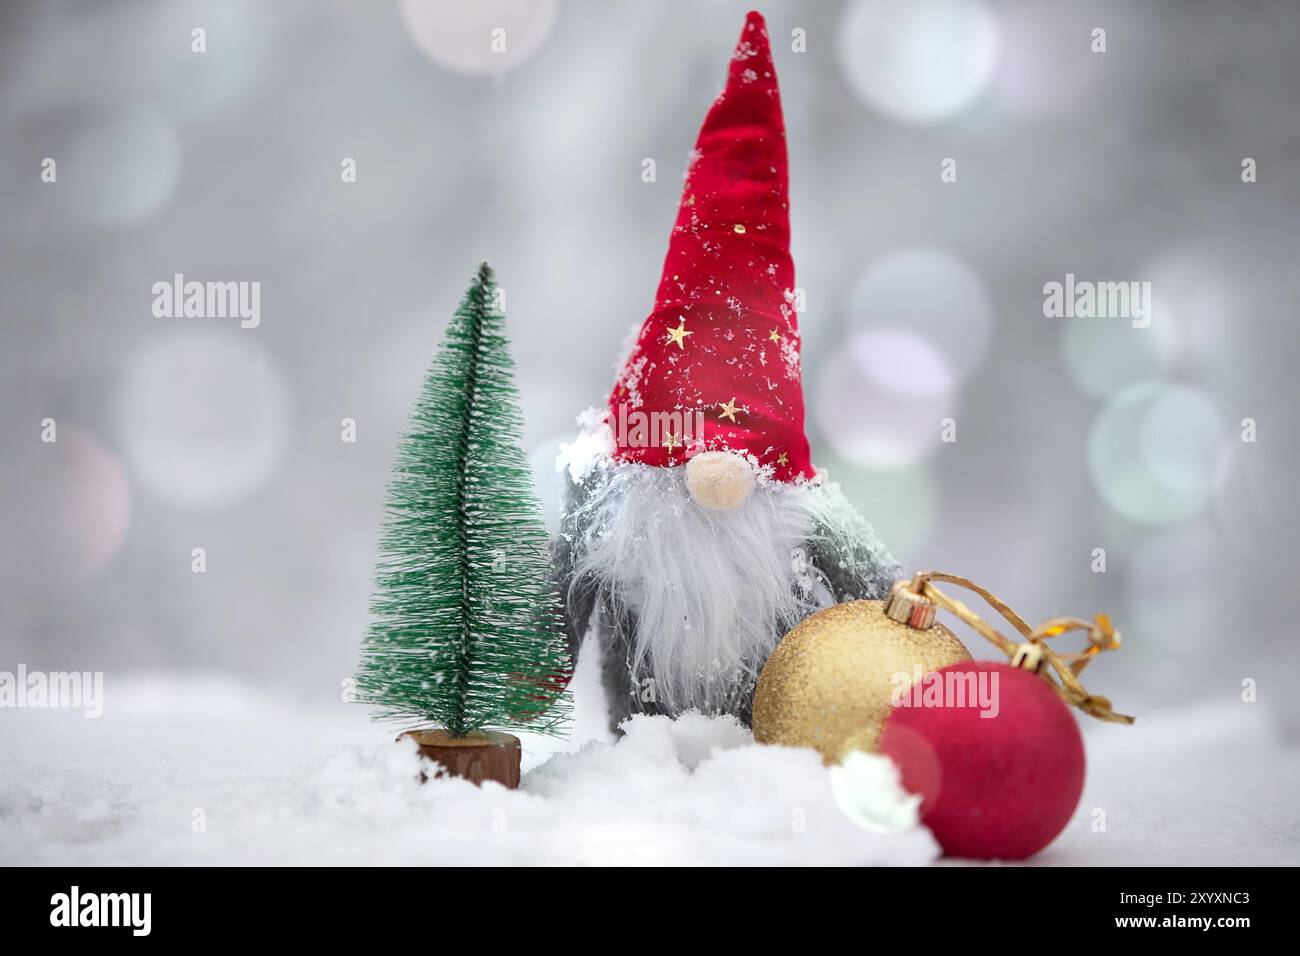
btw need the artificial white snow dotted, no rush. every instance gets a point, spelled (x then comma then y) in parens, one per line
(867, 788)
(183, 770)
(593, 445)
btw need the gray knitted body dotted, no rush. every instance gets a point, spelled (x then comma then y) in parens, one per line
(831, 551)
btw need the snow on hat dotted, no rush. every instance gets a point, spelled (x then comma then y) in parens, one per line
(721, 348)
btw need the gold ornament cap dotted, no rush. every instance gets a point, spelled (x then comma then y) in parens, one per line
(907, 607)
(1029, 656)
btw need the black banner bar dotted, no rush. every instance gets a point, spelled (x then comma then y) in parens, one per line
(946, 902)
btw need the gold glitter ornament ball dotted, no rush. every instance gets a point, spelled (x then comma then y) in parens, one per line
(828, 684)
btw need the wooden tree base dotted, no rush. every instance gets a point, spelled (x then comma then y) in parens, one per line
(478, 756)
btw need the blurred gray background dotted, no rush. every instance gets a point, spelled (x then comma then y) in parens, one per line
(924, 299)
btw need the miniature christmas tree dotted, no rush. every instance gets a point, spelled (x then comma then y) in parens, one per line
(467, 629)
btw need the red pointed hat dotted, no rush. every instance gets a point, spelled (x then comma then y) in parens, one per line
(716, 364)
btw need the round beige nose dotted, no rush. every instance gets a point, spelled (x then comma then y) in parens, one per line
(719, 480)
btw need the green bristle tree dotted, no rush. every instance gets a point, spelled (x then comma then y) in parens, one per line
(466, 631)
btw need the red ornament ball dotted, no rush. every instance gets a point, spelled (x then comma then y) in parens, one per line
(995, 755)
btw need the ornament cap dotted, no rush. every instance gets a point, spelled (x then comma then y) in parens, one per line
(1028, 656)
(908, 607)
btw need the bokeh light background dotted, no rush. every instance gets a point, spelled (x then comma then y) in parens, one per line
(924, 299)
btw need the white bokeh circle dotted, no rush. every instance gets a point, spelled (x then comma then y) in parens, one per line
(931, 294)
(1046, 66)
(881, 399)
(242, 39)
(121, 168)
(1104, 356)
(481, 38)
(919, 61)
(1154, 450)
(203, 415)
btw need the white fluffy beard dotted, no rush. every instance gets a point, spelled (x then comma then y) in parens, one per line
(711, 593)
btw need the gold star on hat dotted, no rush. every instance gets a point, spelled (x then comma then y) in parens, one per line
(679, 334)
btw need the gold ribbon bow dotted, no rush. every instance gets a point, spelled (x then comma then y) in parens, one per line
(913, 602)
